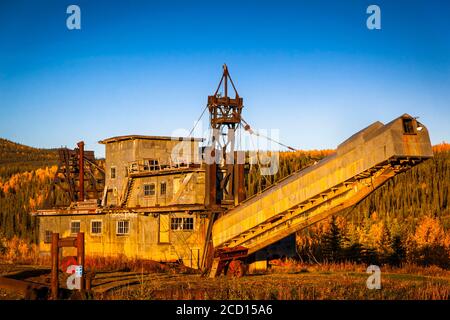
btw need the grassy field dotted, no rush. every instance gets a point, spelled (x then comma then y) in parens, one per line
(293, 282)
(288, 281)
(302, 283)
(305, 286)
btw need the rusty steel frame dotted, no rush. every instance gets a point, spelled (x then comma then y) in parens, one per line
(224, 183)
(81, 170)
(58, 243)
(76, 167)
(224, 256)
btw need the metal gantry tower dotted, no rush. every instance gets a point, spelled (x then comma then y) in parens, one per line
(225, 166)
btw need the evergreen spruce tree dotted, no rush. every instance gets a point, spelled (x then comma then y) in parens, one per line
(398, 252)
(333, 242)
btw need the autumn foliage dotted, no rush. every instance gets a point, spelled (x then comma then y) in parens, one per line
(289, 162)
(441, 147)
(21, 194)
(16, 250)
(374, 241)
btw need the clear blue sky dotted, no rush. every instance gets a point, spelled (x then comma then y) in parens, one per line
(309, 68)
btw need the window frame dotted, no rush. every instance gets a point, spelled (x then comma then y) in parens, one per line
(117, 227)
(409, 126)
(48, 234)
(191, 224)
(151, 164)
(176, 223)
(111, 171)
(180, 223)
(161, 184)
(101, 227)
(154, 189)
(79, 226)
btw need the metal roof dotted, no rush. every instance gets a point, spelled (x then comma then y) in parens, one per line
(141, 137)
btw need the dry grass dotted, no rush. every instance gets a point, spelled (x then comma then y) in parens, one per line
(289, 280)
(300, 282)
(18, 251)
(124, 264)
(294, 266)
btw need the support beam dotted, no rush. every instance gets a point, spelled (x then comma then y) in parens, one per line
(55, 264)
(81, 170)
(80, 257)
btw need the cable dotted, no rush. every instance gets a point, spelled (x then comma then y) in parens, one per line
(249, 129)
(198, 120)
(258, 162)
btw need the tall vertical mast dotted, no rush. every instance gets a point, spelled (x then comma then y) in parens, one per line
(224, 177)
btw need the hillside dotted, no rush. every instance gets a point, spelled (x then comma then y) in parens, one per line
(16, 158)
(25, 179)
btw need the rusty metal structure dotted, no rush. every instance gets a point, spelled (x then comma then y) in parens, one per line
(79, 174)
(225, 168)
(59, 243)
(198, 213)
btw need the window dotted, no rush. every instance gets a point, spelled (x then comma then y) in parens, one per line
(96, 226)
(123, 227)
(162, 188)
(113, 172)
(75, 226)
(48, 236)
(408, 126)
(188, 223)
(151, 164)
(149, 189)
(182, 224)
(176, 223)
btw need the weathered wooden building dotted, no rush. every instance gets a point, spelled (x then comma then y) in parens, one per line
(152, 205)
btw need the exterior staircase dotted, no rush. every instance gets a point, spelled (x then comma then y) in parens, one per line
(127, 192)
